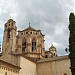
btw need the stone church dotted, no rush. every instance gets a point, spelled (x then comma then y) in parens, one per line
(24, 53)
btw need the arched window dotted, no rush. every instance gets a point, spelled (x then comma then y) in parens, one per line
(24, 45)
(33, 45)
(8, 33)
(46, 56)
(54, 54)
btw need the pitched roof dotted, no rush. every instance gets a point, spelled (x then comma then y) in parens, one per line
(30, 28)
(6, 58)
(10, 64)
(52, 47)
(30, 59)
(53, 59)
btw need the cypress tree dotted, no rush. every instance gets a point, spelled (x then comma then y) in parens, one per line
(72, 42)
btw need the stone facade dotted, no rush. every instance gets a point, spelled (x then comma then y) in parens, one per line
(28, 66)
(9, 39)
(30, 42)
(54, 66)
(24, 54)
(8, 69)
(46, 66)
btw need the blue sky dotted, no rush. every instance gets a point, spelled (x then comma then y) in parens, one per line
(50, 16)
(1, 34)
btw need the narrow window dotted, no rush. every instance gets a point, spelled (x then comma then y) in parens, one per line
(36, 33)
(24, 46)
(9, 24)
(33, 45)
(54, 54)
(12, 23)
(21, 33)
(5, 73)
(8, 33)
(46, 56)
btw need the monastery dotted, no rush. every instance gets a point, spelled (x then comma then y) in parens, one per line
(24, 53)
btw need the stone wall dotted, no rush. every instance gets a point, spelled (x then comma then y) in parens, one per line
(27, 67)
(54, 66)
(8, 69)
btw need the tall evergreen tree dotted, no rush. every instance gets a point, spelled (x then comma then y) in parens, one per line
(72, 42)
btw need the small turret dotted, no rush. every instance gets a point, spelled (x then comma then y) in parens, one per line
(53, 51)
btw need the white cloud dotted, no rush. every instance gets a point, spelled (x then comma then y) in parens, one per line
(51, 16)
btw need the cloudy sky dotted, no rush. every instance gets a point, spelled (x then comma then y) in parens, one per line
(51, 16)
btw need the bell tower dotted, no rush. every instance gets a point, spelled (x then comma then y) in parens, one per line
(9, 38)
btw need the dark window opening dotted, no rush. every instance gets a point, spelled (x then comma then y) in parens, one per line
(12, 23)
(54, 54)
(21, 33)
(33, 45)
(46, 56)
(65, 74)
(36, 33)
(8, 33)
(5, 73)
(24, 46)
(26, 32)
(9, 24)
